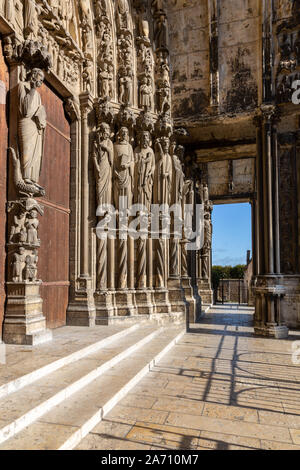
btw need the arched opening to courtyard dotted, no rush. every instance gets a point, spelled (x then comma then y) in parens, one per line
(232, 250)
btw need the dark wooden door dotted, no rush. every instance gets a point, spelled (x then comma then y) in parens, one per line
(4, 86)
(54, 225)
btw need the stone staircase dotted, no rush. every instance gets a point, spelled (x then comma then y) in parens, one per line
(57, 405)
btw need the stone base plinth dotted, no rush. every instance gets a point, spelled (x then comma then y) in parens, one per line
(81, 310)
(205, 291)
(194, 306)
(176, 295)
(24, 321)
(144, 303)
(105, 305)
(268, 298)
(272, 331)
(125, 302)
(162, 301)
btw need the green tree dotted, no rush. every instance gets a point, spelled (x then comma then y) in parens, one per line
(226, 272)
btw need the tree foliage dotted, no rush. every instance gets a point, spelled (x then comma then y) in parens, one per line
(227, 272)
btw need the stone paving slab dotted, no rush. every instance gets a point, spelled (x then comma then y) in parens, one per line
(218, 388)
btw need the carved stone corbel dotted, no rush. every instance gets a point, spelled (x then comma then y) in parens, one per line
(72, 108)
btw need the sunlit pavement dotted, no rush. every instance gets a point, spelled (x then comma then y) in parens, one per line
(219, 388)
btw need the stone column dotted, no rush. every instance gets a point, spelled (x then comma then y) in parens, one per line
(82, 311)
(204, 263)
(268, 289)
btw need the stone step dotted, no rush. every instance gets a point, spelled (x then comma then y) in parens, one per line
(68, 423)
(25, 406)
(44, 356)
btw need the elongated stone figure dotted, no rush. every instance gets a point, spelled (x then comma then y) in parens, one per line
(31, 126)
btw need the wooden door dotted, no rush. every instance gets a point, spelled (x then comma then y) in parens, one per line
(4, 86)
(54, 225)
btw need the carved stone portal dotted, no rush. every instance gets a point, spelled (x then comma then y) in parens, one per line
(24, 320)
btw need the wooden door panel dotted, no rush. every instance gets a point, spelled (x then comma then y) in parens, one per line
(54, 225)
(4, 86)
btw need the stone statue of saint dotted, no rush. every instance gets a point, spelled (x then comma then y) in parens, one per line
(158, 6)
(146, 93)
(144, 171)
(31, 20)
(178, 177)
(103, 157)
(161, 32)
(18, 264)
(206, 246)
(143, 23)
(31, 262)
(207, 233)
(123, 167)
(163, 173)
(31, 126)
(18, 226)
(32, 224)
(104, 81)
(123, 14)
(126, 86)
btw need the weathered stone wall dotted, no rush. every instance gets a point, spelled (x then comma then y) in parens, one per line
(207, 35)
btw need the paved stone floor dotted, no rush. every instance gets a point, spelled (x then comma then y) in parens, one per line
(219, 388)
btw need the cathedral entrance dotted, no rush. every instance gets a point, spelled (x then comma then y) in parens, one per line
(54, 225)
(4, 86)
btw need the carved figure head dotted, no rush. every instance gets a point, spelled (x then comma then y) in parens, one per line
(36, 77)
(33, 213)
(145, 139)
(165, 144)
(104, 131)
(123, 135)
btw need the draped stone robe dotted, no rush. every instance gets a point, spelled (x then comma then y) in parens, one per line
(31, 125)
(103, 171)
(163, 179)
(123, 172)
(144, 176)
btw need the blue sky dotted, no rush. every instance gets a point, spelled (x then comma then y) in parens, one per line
(231, 233)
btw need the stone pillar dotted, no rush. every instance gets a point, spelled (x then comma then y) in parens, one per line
(204, 261)
(187, 270)
(24, 320)
(81, 312)
(268, 289)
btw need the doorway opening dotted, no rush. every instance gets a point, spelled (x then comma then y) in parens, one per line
(232, 265)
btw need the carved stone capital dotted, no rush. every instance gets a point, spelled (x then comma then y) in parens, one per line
(145, 122)
(104, 111)
(33, 54)
(86, 104)
(164, 125)
(126, 117)
(266, 114)
(270, 114)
